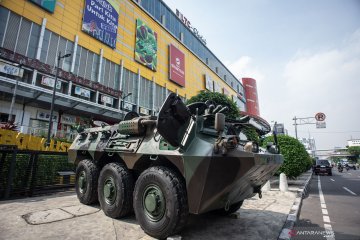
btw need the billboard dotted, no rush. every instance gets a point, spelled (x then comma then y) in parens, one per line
(48, 5)
(82, 92)
(177, 65)
(101, 20)
(146, 45)
(50, 82)
(209, 83)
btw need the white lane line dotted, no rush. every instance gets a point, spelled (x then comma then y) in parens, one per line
(349, 173)
(350, 191)
(326, 218)
(332, 179)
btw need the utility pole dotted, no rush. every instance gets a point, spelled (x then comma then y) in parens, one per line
(53, 95)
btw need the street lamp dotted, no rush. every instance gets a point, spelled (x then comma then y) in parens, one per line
(122, 99)
(53, 95)
(10, 119)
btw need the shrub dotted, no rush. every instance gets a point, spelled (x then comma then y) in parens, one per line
(297, 160)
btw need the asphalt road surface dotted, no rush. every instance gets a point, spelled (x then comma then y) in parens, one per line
(332, 208)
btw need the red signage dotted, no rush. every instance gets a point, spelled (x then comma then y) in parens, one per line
(177, 65)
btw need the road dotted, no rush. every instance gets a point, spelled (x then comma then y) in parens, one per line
(332, 208)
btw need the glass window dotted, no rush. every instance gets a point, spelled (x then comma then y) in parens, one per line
(45, 46)
(12, 31)
(95, 67)
(130, 82)
(34, 39)
(67, 61)
(3, 18)
(23, 38)
(146, 93)
(89, 64)
(117, 77)
(77, 60)
(52, 52)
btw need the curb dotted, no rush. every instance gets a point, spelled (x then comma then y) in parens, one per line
(294, 211)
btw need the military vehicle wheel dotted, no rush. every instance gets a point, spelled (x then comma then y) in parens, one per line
(160, 202)
(115, 188)
(232, 208)
(87, 175)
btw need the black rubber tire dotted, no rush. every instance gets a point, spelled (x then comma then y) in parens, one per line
(176, 210)
(232, 208)
(89, 195)
(124, 187)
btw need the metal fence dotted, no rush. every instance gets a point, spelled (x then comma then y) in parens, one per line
(25, 173)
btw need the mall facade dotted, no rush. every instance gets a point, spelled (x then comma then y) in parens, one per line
(125, 56)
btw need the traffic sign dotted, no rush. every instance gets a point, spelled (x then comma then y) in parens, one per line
(320, 117)
(320, 124)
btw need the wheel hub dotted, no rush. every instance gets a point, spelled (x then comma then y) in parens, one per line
(154, 203)
(109, 191)
(82, 182)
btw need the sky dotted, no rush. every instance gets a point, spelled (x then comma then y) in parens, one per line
(304, 55)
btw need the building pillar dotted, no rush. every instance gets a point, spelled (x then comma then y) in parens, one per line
(138, 92)
(74, 54)
(41, 39)
(100, 65)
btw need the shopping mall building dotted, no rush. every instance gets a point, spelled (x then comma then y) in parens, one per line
(125, 56)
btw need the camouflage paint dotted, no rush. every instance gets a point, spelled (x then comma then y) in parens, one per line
(213, 180)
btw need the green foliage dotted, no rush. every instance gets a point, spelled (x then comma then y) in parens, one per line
(297, 160)
(47, 170)
(354, 150)
(217, 98)
(251, 134)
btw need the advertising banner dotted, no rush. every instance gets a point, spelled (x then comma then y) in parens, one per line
(82, 92)
(50, 82)
(209, 83)
(48, 5)
(11, 70)
(46, 116)
(101, 20)
(107, 99)
(67, 119)
(217, 87)
(177, 65)
(146, 45)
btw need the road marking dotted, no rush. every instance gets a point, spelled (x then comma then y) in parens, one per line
(332, 179)
(349, 191)
(325, 213)
(326, 219)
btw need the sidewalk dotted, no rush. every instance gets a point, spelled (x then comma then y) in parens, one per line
(61, 216)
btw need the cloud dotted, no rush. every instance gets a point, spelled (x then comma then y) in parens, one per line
(244, 67)
(326, 81)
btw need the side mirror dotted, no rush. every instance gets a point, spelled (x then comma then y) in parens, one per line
(219, 122)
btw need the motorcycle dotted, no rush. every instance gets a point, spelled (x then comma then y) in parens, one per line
(340, 168)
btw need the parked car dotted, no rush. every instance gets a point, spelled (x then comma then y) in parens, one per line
(322, 166)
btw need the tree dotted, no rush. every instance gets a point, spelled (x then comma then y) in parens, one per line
(232, 113)
(217, 98)
(354, 150)
(297, 160)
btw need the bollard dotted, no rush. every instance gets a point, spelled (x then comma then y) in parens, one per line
(266, 187)
(283, 186)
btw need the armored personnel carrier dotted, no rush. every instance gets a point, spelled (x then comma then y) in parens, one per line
(188, 159)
